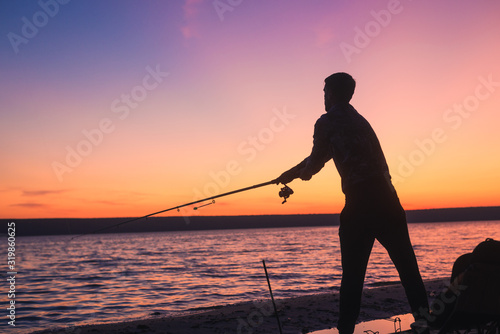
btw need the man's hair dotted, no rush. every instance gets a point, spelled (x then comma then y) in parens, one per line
(342, 85)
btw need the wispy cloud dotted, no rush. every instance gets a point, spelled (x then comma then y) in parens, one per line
(324, 34)
(34, 193)
(191, 8)
(30, 205)
(191, 12)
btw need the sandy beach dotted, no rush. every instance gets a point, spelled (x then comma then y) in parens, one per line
(297, 315)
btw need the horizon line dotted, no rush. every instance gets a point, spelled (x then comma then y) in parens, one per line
(246, 215)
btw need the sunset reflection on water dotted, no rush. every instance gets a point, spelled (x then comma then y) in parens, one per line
(115, 276)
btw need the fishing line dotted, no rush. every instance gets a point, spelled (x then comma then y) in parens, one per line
(197, 207)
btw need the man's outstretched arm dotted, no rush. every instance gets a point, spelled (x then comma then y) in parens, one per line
(315, 161)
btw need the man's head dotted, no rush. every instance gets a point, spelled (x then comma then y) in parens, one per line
(339, 88)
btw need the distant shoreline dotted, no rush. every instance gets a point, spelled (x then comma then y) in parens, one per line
(61, 226)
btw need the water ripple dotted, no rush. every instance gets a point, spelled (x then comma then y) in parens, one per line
(106, 277)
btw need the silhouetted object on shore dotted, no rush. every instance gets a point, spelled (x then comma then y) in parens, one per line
(272, 296)
(472, 301)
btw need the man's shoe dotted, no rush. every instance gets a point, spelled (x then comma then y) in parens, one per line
(420, 326)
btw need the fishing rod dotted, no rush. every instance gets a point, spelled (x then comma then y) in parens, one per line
(285, 192)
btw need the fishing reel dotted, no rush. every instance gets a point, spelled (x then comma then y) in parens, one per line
(285, 192)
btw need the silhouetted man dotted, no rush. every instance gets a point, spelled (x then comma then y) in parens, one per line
(372, 209)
